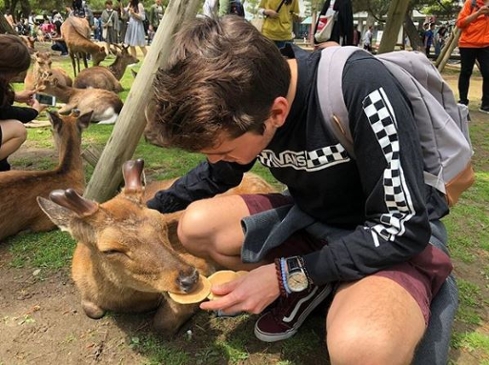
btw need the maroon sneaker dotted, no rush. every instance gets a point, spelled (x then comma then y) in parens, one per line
(283, 320)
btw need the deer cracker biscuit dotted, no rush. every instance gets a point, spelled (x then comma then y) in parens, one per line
(221, 277)
(200, 293)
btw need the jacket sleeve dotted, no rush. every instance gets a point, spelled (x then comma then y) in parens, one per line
(23, 114)
(390, 167)
(466, 11)
(204, 181)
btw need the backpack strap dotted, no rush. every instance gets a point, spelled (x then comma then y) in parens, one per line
(330, 93)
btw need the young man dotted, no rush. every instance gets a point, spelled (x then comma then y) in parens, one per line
(360, 227)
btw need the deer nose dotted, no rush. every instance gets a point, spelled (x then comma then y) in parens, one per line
(187, 281)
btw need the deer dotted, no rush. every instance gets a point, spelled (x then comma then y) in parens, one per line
(76, 34)
(42, 64)
(128, 257)
(109, 77)
(106, 105)
(20, 211)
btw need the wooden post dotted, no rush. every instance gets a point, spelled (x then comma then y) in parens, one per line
(131, 122)
(449, 49)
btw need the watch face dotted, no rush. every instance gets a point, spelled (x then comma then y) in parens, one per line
(297, 281)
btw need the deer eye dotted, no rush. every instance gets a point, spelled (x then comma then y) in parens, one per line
(111, 252)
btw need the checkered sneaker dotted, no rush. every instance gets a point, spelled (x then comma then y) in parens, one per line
(283, 320)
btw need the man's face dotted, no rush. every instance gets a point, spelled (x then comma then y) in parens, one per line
(241, 150)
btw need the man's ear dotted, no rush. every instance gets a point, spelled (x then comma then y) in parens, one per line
(280, 110)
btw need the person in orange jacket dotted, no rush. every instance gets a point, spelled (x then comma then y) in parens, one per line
(473, 21)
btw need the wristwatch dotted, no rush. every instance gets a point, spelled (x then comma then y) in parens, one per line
(296, 276)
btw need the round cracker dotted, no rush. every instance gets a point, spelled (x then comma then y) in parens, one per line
(220, 277)
(241, 273)
(198, 295)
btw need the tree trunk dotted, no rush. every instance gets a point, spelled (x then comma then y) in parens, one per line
(412, 33)
(131, 122)
(448, 49)
(5, 26)
(395, 16)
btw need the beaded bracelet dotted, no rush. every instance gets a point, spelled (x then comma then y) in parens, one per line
(278, 270)
(283, 268)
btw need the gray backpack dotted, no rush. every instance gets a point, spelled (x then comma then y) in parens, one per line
(442, 123)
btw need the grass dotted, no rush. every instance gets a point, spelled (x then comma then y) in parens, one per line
(232, 342)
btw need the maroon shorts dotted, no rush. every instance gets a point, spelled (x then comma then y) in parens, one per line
(422, 276)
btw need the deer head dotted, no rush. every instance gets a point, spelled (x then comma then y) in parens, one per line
(127, 240)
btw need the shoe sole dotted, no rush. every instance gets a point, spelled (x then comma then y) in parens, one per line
(273, 337)
(484, 111)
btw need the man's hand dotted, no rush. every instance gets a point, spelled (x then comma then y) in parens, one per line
(250, 293)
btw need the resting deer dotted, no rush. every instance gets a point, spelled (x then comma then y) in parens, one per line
(76, 34)
(42, 65)
(128, 256)
(19, 210)
(107, 78)
(106, 105)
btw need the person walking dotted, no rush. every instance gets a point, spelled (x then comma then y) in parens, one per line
(473, 21)
(135, 36)
(367, 39)
(356, 230)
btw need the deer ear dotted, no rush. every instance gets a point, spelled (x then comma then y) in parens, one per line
(55, 120)
(59, 215)
(84, 120)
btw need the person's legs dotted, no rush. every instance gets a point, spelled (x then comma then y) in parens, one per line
(143, 50)
(467, 61)
(211, 228)
(483, 58)
(14, 134)
(132, 51)
(377, 318)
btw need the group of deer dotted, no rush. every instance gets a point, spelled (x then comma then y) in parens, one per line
(104, 82)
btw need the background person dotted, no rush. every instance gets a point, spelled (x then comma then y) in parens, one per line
(135, 36)
(279, 24)
(474, 45)
(156, 13)
(14, 58)
(110, 25)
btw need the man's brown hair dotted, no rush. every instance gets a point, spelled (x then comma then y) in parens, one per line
(222, 76)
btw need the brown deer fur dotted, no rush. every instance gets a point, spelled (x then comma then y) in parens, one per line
(128, 256)
(76, 34)
(106, 105)
(42, 65)
(19, 210)
(107, 78)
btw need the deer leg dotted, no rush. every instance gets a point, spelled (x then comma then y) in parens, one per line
(72, 56)
(85, 61)
(92, 310)
(66, 109)
(171, 315)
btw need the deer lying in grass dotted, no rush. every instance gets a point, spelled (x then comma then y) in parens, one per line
(106, 105)
(19, 210)
(107, 78)
(42, 65)
(128, 256)
(76, 34)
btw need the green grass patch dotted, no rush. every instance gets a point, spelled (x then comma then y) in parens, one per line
(48, 250)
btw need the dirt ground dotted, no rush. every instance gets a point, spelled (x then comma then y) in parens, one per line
(41, 321)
